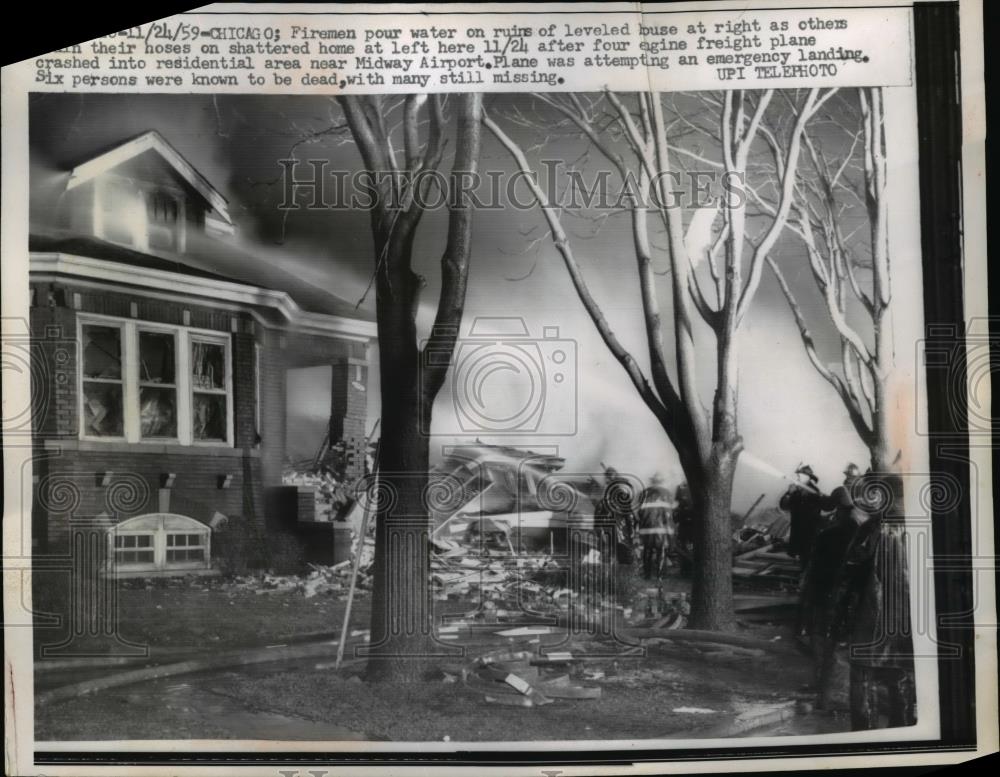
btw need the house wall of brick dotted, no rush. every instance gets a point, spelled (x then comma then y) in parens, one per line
(289, 350)
(349, 415)
(84, 480)
(54, 356)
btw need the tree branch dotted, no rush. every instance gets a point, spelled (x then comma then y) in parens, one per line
(667, 408)
(785, 203)
(455, 260)
(854, 410)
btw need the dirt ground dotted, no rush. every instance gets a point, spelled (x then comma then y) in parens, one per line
(653, 697)
(670, 692)
(167, 615)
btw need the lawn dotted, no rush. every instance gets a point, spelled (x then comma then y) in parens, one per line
(641, 699)
(654, 697)
(197, 614)
(671, 691)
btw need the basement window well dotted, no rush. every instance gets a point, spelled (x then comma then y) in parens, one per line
(159, 543)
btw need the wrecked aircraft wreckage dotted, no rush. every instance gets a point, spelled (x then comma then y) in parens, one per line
(506, 499)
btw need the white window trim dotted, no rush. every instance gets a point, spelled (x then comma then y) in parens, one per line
(138, 329)
(204, 545)
(225, 341)
(130, 566)
(131, 421)
(159, 547)
(81, 378)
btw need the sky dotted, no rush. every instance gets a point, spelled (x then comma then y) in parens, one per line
(787, 413)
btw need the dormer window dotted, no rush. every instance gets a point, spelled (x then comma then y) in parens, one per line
(143, 216)
(145, 195)
(163, 221)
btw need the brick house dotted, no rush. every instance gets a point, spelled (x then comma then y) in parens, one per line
(158, 383)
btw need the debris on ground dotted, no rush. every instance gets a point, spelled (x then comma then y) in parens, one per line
(514, 679)
(333, 495)
(765, 562)
(501, 582)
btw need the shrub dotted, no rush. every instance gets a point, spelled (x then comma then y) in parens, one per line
(236, 548)
(286, 555)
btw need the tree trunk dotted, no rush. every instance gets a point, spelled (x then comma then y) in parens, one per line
(712, 577)
(401, 622)
(712, 580)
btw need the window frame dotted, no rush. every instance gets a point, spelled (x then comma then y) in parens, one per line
(160, 329)
(179, 227)
(154, 525)
(213, 338)
(185, 336)
(123, 380)
(204, 545)
(135, 565)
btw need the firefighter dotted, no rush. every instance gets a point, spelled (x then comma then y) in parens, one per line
(615, 516)
(852, 473)
(684, 521)
(804, 502)
(819, 590)
(873, 607)
(656, 528)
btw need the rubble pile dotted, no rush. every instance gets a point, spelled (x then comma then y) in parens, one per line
(752, 538)
(762, 558)
(332, 495)
(332, 580)
(505, 581)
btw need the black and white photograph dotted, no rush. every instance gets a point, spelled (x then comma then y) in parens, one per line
(476, 419)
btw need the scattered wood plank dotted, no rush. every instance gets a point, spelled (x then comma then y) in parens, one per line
(715, 637)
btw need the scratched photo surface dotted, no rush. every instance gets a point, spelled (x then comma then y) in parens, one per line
(469, 418)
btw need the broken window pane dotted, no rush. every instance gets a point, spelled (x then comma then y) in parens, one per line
(161, 208)
(209, 416)
(157, 360)
(157, 371)
(102, 409)
(102, 352)
(208, 365)
(162, 221)
(158, 412)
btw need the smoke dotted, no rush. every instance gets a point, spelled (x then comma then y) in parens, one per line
(787, 412)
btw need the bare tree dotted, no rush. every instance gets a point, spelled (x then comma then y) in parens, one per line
(632, 132)
(401, 619)
(844, 183)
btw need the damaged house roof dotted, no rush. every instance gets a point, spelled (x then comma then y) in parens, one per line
(214, 253)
